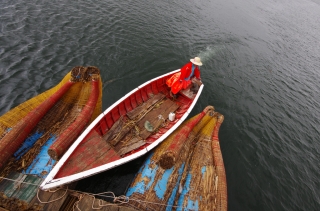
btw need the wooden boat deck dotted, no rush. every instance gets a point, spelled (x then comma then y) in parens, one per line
(130, 132)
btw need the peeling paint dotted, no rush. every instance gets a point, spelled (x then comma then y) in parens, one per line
(161, 186)
(145, 184)
(175, 189)
(203, 170)
(27, 144)
(43, 163)
(186, 189)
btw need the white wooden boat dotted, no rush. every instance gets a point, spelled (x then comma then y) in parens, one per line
(128, 129)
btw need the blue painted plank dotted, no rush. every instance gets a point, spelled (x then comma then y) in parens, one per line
(27, 144)
(43, 163)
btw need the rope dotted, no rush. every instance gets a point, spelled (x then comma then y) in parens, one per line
(138, 118)
(19, 181)
(120, 199)
(47, 202)
(75, 205)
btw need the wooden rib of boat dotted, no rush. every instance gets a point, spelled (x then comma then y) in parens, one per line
(128, 129)
(196, 180)
(50, 120)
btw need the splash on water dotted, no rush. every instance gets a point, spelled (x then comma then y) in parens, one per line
(210, 52)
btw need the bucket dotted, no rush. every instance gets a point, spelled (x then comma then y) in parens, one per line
(172, 116)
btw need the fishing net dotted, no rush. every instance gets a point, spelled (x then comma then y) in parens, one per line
(59, 114)
(192, 149)
(221, 180)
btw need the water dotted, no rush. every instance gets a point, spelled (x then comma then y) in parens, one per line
(261, 71)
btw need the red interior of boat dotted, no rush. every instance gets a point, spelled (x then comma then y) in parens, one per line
(80, 156)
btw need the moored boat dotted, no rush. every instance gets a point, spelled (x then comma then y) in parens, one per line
(53, 118)
(128, 129)
(193, 180)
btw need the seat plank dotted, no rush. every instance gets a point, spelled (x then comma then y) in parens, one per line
(156, 117)
(145, 106)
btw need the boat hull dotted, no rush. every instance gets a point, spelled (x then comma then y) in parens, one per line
(196, 181)
(43, 119)
(107, 121)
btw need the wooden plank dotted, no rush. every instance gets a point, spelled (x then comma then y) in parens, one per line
(69, 202)
(89, 202)
(11, 186)
(119, 129)
(134, 143)
(156, 117)
(188, 93)
(45, 196)
(14, 204)
(145, 106)
(122, 208)
(56, 199)
(5, 183)
(28, 189)
(91, 152)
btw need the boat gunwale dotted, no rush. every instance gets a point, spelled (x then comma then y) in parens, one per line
(50, 182)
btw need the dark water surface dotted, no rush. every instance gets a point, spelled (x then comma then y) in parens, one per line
(261, 71)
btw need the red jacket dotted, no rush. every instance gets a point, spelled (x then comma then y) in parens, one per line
(186, 71)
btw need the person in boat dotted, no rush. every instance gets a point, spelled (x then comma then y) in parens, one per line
(184, 78)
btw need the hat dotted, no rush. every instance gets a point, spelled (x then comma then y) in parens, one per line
(196, 61)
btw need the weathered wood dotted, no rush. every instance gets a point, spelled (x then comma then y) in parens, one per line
(46, 196)
(145, 106)
(57, 199)
(134, 144)
(92, 152)
(187, 93)
(43, 195)
(90, 203)
(158, 185)
(156, 117)
(28, 189)
(199, 180)
(117, 131)
(21, 194)
(69, 202)
(14, 204)
(122, 133)
(9, 186)
(169, 157)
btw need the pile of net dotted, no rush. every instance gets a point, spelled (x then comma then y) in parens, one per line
(58, 115)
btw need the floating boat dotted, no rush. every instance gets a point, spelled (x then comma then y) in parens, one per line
(51, 121)
(128, 129)
(186, 171)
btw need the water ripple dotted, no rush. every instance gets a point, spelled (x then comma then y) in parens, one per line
(261, 68)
